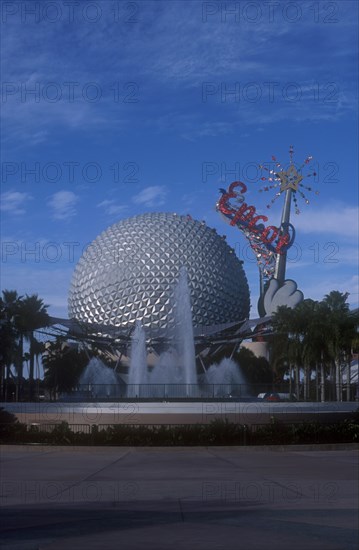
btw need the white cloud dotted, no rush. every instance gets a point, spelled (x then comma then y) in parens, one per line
(111, 207)
(104, 204)
(14, 202)
(39, 137)
(63, 205)
(176, 49)
(334, 220)
(317, 291)
(154, 195)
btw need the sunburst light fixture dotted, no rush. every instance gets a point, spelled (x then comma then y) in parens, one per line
(283, 179)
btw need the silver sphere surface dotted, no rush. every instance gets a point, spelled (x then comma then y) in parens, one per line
(129, 271)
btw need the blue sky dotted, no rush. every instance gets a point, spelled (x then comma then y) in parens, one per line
(111, 109)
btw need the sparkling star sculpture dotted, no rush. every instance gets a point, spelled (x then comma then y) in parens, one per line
(287, 179)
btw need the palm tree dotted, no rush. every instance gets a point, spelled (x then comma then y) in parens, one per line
(338, 310)
(286, 344)
(337, 301)
(9, 334)
(7, 338)
(353, 337)
(298, 340)
(63, 365)
(303, 314)
(318, 343)
(32, 315)
(316, 334)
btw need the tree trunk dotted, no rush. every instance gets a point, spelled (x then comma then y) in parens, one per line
(322, 382)
(19, 367)
(337, 380)
(297, 389)
(316, 382)
(340, 382)
(3, 367)
(332, 381)
(31, 371)
(348, 378)
(306, 376)
(307, 381)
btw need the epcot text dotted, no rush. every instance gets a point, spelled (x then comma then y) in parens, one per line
(245, 217)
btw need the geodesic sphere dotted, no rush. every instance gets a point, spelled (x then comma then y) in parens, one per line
(129, 272)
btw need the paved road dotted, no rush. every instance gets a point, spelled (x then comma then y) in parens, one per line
(178, 498)
(176, 413)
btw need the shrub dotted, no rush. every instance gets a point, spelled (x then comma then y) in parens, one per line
(218, 432)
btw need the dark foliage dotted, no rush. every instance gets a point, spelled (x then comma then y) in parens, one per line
(218, 432)
(63, 365)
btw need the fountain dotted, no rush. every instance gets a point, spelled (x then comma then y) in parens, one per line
(227, 378)
(166, 378)
(174, 374)
(138, 374)
(184, 340)
(99, 380)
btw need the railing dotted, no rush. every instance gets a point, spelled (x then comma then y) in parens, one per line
(163, 392)
(183, 392)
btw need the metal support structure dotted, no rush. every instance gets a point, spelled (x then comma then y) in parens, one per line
(281, 262)
(202, 364)
(261, 284)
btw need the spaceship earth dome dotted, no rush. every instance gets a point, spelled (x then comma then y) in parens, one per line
(129, 272)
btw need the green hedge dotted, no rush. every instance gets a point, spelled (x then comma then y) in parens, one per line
(218, 432)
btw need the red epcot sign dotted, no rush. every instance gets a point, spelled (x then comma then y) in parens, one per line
(245, 218)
